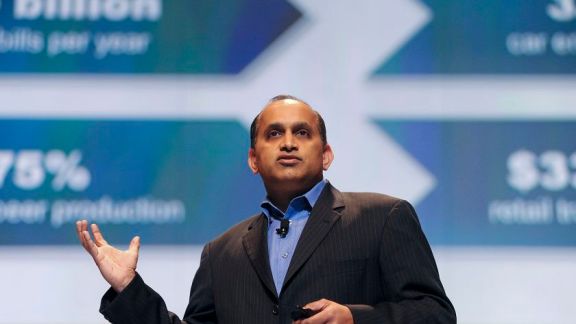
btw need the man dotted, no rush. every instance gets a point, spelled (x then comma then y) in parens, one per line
(347, 257)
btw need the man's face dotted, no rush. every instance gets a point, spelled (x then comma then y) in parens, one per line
(289, 152)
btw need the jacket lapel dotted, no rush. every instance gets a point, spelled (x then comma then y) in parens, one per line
(323, 216)
(256, 246)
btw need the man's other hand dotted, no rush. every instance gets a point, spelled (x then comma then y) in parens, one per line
(327, 312)
(117, 267)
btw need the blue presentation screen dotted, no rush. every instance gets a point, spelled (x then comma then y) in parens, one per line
(172, 182)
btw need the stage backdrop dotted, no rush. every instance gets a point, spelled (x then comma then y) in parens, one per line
(135, 115)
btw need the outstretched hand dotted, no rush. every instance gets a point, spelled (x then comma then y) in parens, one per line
(117, 267)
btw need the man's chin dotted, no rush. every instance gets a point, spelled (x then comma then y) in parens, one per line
(290, 178)
(286, 178)
(292, 181)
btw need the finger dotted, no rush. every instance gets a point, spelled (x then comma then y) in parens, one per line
(98, 237)
(81, 225)
(321, 317)
(90, 245)
(134, 245)
(80, 229)
(318, 305)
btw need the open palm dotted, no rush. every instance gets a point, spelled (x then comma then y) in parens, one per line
(117, 267)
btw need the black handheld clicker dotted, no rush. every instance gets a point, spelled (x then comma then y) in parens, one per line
(300, 313)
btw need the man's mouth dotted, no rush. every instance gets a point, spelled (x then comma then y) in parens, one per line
(288, 160)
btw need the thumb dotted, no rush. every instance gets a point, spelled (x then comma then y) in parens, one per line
(318, 305)
(134, 245)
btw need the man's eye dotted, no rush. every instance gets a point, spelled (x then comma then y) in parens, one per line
(274, 133)
(303, 132)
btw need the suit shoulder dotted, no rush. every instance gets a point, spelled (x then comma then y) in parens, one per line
(376, 206)
(236, 231)
(372, 199)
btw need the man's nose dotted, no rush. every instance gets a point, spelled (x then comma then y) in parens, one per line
(289, 144)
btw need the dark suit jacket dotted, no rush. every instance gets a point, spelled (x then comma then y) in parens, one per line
(364, 250)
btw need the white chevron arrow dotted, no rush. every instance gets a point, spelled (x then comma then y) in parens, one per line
(323, 58)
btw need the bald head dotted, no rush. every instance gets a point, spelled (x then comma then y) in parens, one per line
(288, 101)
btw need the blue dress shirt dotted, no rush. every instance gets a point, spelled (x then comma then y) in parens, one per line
(281, 249)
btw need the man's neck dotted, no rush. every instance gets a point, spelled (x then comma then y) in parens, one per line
(281, 197)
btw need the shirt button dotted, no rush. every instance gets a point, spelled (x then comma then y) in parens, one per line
(285, 255)
(275, 309)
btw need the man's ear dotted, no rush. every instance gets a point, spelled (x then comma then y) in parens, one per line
(252, 161)
(327, 157)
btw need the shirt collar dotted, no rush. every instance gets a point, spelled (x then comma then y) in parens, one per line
(303, 202)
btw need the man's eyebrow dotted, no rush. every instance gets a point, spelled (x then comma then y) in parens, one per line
(278, 126)
(301, 125)
(281, 126)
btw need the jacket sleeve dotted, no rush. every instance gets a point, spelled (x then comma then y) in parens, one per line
(410, 280)
(138, 303)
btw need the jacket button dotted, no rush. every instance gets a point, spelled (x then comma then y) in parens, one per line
(275, 309)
